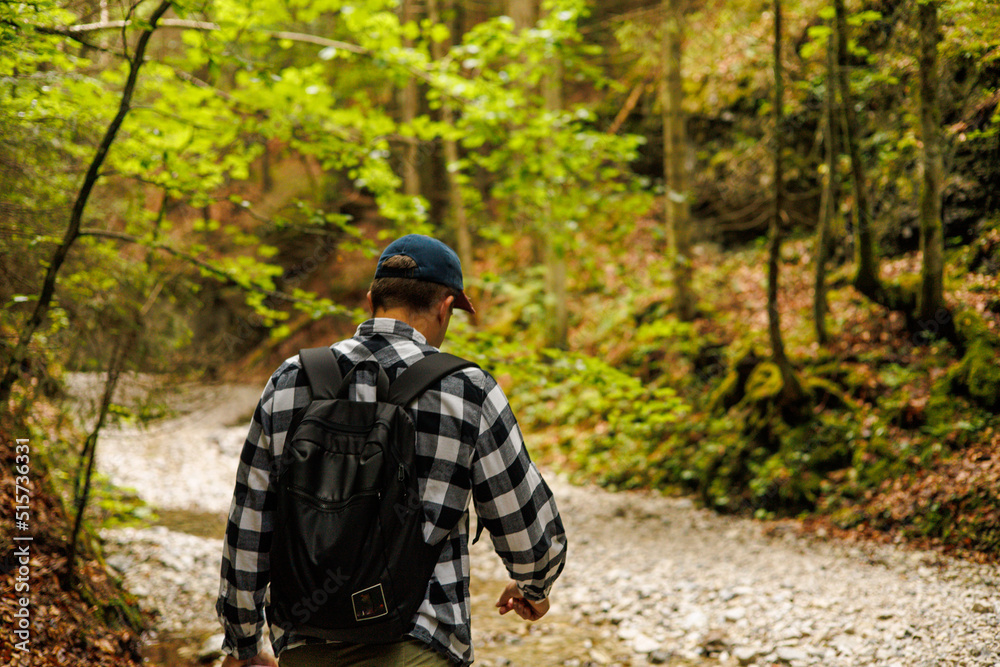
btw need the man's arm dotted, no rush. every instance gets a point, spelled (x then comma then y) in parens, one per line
(245, 568)
(516, 506)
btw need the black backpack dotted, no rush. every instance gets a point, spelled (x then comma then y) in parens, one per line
(348, 558)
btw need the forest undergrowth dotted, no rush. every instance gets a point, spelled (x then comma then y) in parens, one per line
(896, 443)
(89, 620)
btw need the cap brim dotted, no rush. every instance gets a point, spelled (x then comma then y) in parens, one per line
(462, 302)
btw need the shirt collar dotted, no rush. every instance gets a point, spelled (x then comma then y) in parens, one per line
(386, 326)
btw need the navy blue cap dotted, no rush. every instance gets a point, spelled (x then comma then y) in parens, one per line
(436, 263)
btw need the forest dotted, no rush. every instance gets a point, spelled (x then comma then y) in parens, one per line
(745, 252)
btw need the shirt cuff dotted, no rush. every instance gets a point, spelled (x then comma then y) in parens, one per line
(241, 648)
(532, 593)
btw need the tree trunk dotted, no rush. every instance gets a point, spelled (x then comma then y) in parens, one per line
(522, 12)
(557, 240)
(459, 217)
(930, 301)
(20, 351)
(828, 206)
(550, 243)
(85, 471)
(866, 280)
(791, 391)
(266, 171)
(555, 260)
(409, 103)
(677, 210)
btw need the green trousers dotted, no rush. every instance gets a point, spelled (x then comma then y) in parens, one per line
(407, 653)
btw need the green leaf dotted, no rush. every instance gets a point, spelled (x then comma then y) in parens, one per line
(439, 33)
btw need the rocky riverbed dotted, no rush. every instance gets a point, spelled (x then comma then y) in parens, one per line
(648, 579)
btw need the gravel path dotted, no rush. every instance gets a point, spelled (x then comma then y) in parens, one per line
(648, 579)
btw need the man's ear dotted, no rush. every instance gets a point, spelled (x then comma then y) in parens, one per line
(444, 309)
(371, 308)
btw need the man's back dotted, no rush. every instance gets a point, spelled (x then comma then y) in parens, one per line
(468, 447)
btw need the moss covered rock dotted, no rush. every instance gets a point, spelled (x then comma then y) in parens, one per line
(827, 393)
(765, 383)
(970, 327)
(732, 389)
(978, 373)
(727, 394)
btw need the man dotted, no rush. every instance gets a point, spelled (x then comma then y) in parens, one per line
(469, 447)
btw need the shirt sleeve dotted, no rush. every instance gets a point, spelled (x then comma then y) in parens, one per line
(513, 502)
(246, 550)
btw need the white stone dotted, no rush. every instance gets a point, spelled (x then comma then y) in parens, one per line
(745, 654)
(695, 620)
(644, 644)
(791, 653)
(735, 614)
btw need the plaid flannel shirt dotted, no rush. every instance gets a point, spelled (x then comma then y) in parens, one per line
(469, 447)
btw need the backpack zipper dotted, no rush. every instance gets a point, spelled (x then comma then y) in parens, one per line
(330, 505)
(346, 428)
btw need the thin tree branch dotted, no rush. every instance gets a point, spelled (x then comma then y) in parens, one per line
(172, 116)
(47, 30)
(627, 108)
(321, 41)
(195, 81)
(726, 216)
(739, 226)
(208, 26)
(88, 454)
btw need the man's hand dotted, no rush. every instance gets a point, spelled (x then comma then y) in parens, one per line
(259, 659)
(512, 600)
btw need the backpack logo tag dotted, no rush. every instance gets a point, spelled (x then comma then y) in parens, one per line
(369, 603)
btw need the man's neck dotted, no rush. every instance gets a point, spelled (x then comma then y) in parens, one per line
(420, 323)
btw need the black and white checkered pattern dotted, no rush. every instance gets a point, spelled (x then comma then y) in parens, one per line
(469, 447)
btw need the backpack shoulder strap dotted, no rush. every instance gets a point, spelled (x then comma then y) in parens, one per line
(415, 379)
(322, 371)
(381, 382)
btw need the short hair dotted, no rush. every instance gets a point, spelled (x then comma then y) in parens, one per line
(417, 296)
